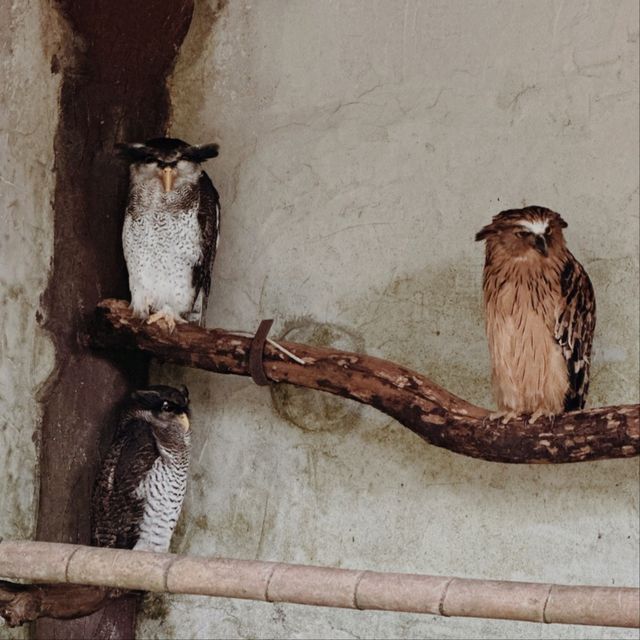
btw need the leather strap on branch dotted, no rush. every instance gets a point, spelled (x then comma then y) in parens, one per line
(256, 368)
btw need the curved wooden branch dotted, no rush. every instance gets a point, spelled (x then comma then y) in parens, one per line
(436, 415)
(113, 569)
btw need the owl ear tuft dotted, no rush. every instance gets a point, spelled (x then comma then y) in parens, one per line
(145, 396)
(484, 232)
(200, 152)
(134, 151)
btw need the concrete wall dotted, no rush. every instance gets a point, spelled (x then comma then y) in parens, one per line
(28, 117)
(362, 145)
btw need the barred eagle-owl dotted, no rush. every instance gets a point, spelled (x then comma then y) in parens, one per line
(171, 229)
(540, 314)
(142, 480)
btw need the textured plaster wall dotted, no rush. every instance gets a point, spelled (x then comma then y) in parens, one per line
(362, 145)
(28, 117)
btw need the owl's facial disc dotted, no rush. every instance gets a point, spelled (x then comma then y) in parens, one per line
(165, 407)
(536, 235)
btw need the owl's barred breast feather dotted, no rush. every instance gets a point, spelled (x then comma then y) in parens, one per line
(162, 243)
(163, 489)
(118, 506)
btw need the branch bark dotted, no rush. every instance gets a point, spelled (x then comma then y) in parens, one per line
(20, 603)
(437, 416)
(110, 569)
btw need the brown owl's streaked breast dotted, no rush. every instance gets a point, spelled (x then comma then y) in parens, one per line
(529, 372)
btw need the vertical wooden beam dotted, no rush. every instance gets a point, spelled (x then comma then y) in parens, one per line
(114, 88)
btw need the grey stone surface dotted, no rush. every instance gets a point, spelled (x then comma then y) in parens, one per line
(28, 118)
(362, 145)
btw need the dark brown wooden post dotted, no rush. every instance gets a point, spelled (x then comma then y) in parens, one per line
(114, 88)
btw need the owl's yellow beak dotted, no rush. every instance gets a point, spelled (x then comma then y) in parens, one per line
(183, 419)
(168, 175)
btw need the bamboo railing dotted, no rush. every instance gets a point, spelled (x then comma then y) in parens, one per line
(110, 571)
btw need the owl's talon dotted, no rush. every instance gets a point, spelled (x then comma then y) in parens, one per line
(164, 317)
(139, 314)
(503, 416)
(540, 412)
(140, 306)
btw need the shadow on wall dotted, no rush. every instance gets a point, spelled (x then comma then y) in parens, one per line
(308, 409)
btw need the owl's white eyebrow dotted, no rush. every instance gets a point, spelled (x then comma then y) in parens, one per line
(537, 227)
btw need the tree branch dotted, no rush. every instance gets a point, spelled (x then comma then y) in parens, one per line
(430, 411)
(20, 603)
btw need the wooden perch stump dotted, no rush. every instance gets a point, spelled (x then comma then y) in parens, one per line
(20, 603)
(430, 411)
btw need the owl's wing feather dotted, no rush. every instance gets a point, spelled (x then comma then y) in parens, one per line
(209, 222)
(575, 324)
(103, 528)
(118, 504)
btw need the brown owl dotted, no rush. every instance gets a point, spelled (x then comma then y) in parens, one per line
(540, 314)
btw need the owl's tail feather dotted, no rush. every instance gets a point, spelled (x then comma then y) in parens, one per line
(198, 313)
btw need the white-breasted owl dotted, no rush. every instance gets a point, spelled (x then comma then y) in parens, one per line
(142, 481)
(171, 229)
(540, 314)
